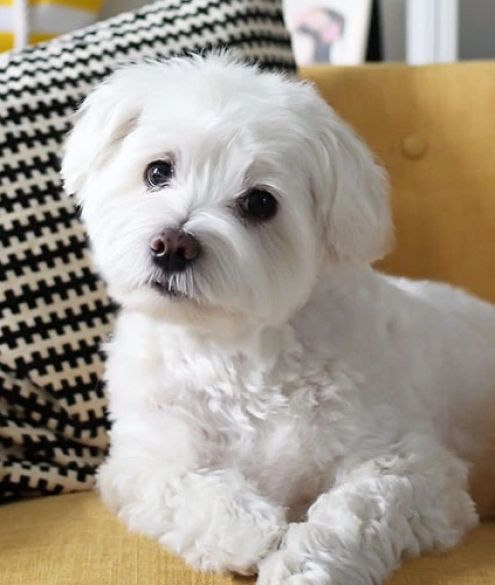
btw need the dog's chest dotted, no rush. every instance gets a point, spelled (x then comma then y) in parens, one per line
(284, 427)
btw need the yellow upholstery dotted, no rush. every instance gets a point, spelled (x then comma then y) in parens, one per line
(74, 540)
(434, 128)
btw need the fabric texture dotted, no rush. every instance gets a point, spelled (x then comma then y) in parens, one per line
(73, 540)
(54, 311)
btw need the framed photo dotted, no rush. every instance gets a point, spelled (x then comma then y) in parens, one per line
(328, 31)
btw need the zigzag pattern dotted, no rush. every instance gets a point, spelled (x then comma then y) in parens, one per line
(54, 311)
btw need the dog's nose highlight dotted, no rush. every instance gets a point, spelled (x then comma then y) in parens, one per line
(174, 249)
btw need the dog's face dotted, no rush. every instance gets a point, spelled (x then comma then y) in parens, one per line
(208, 186)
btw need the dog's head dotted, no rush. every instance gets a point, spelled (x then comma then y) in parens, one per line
(209, 186)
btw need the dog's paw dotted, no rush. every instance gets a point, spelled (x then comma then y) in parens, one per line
(226, 535)
(284, 567)
(304, 558)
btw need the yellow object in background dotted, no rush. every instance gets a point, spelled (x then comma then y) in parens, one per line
(24, 22)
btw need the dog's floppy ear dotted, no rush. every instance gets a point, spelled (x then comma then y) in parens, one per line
(105, 117)
(351, 192)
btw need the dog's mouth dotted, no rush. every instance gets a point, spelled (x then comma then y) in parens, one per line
(169, 289)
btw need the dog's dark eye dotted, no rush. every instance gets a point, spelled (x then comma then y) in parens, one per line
(258, 204)
(159, 173)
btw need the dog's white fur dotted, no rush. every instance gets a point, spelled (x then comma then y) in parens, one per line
(295, 412)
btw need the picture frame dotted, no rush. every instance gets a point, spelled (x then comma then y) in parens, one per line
(328, 31)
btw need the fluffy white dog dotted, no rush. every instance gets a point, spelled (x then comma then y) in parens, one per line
(278, 406)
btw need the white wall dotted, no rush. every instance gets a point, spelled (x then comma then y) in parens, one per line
(393, 14)
(112, 7)
(476, 29)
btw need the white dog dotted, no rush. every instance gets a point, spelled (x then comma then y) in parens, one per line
(278, 406)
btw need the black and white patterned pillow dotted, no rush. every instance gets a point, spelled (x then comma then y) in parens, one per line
(54, 311)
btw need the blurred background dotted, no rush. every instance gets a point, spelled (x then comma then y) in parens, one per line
(471, 21)
(475, 27)
(337, 31)
(475, 23)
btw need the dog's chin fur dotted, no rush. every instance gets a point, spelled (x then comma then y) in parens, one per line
(278, 407)
(219, 323)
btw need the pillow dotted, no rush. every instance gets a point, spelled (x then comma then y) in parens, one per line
(54, 311)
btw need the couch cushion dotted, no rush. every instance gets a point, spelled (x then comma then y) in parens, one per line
(54, 311)
(434, 129)
(74, 540)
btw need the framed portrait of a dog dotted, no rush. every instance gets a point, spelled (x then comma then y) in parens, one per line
(328, 31)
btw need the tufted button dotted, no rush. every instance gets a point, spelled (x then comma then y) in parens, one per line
(414, 146)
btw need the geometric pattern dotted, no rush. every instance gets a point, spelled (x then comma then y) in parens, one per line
(54, 310)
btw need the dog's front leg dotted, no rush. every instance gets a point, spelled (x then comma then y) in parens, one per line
(378, 512)
(222, 523)
(216, 520)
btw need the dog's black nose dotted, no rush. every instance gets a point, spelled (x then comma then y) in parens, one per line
(173, 250)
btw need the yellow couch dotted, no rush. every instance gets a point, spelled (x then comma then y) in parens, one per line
(434, 129)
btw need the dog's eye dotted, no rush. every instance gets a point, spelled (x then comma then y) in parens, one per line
(258, 204)
(159, 173)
